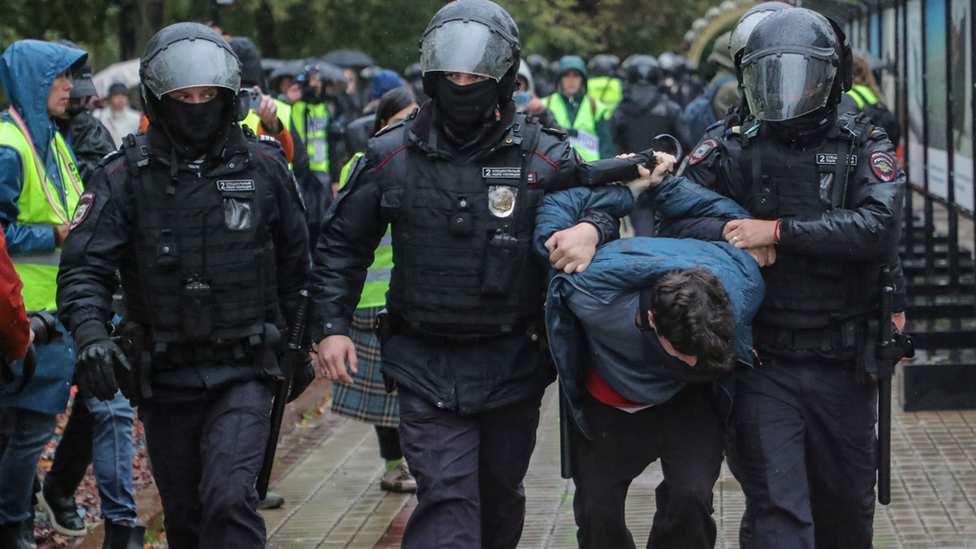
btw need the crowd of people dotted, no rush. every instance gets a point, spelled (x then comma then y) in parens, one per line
(442, 246)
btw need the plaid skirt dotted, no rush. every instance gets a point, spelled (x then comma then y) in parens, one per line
(366, 399)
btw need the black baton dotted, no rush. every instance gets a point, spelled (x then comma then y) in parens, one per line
(885, 370)
(565, 431)
(281, 396)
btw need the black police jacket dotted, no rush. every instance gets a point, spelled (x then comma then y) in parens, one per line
(829, 255)
(89, 140)
(458, 346)
(106, 236)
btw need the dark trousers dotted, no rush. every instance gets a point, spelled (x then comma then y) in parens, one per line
(389, 438)
(469, 471)
(807, 454)
(205, 456)
(23, 436)
(685, 434)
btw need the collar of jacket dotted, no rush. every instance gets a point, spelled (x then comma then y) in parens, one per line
(228, 155)
(424, 135)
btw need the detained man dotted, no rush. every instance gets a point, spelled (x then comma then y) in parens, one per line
(646, 341)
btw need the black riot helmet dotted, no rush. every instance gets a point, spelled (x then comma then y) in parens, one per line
(188, 55)
(603, 65)
(642, 69)
(793, 64)
(251, 72)
(538, 64)
(475, 37)
(670, 63)
(747, 23)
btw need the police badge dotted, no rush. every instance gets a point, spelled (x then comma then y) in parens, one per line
(501, 200)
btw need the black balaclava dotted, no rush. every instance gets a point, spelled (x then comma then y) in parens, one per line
(194, 127)
(464, 110)
(812, 127)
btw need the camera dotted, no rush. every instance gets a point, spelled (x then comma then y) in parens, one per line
(44, 326)
(253, 98)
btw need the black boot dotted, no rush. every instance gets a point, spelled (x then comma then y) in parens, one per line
(17, 535)
(62, 512)
(119, 535)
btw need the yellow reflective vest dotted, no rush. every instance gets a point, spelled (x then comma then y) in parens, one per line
(310, 122)
(606, 90)
(378, 275)
(41, 202)
(284, 115)
(586, 141)
(862, 96)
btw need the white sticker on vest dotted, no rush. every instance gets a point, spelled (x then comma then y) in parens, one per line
(501, 173)
(236, 185)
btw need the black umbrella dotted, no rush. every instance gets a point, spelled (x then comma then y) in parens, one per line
(291, 67)
(349, 59)
(327, 72)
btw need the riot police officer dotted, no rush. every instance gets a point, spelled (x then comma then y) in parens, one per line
(458, 183)
(826, 193)
(205, 226)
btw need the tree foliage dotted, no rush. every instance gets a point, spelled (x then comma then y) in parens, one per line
(388, 30)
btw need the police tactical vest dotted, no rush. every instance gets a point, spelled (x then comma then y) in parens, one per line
(41, 202)
(205, 259)
(462, 259)
(784, 183)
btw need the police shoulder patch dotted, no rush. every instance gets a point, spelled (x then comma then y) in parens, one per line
(703, 150)
(85, 202)
(883, 165)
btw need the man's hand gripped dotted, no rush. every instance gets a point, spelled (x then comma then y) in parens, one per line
(330, 359)
(572, 249)
(665, 165)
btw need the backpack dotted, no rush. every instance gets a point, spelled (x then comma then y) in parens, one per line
(699, 114)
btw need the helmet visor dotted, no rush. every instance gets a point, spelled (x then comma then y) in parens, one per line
(468, 47)
(189, 64)
(786, 85)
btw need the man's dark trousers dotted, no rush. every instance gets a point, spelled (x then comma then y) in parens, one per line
(205, 456)
(685, 434)
(469, 471)
(807, 454)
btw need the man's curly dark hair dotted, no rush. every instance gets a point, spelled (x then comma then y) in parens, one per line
(691, 310)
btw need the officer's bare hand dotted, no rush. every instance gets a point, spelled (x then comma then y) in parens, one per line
(535, 106)
(900, 319)
(764, 256)
(268, 112)
(571, 250)
(330, 362)
(665, 164)
(60, 233)
(750, 233)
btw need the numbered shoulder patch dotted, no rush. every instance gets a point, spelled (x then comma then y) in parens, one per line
(704, 149)
(84, 206)
(883, 165)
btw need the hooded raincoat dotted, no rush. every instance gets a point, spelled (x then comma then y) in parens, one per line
(28, 68)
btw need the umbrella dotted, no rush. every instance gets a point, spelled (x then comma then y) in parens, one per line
(327, 72)
(348, 59)
(291, 67)
(126, 72)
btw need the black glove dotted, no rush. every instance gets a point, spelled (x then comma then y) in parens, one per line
(303, 373)
(98, 357)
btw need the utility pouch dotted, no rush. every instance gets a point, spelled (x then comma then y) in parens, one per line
(502, 263)
(134, 383)
(197, 311)
(384, 327)
(167, 250)
(866, 359)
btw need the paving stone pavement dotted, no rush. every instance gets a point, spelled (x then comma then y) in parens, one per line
(334, 500)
